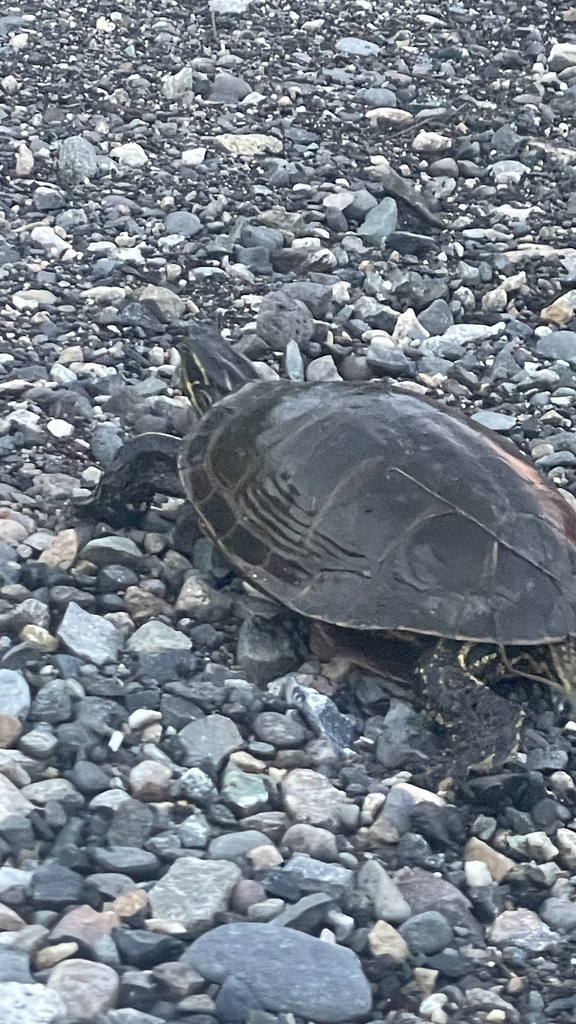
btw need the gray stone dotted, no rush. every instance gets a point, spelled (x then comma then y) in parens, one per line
(387, 901)
(522, 928)
(233, 846)
(316, 842)
(494, 420)
(562, 56)
(317, 297)
(379, 96)
(559, 913)
(112, 551)
(77, 159)
(182, 222)
(287, 971)
(162, 302)
(245, 792)
(193, 891)
(282, 318)
(357, 47)
(89, 636)
(311, 799)
(307, 914)
(30, 1004)
(379, 222)
(155, 636)
(558, 345)
(14, 693)
(265, 650)
(311, 875)
(427, 933)
(279, 730)
(228, 88)
(437, 317)
(209, 741)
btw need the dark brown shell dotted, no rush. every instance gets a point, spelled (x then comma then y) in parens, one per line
(380, 510)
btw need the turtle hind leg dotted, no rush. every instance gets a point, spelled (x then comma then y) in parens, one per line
(484, 729)
(145, 465)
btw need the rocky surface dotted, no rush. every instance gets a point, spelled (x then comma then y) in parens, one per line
(196, 825)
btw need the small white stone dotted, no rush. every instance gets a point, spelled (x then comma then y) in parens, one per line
(60, 428)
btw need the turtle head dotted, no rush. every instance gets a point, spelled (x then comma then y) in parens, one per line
(211, 368)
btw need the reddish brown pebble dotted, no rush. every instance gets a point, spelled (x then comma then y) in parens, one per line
(245, 894)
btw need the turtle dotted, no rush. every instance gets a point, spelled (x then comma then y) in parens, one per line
(422, 543)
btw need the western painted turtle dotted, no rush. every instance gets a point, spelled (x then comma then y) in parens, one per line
(385, 517)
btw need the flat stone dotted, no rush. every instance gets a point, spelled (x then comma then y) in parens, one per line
(130, 154)
(88, 636)
(30, 1004)
(85, 924)
(494, 420)
(285, 970)
(193, 891)
(162, 302)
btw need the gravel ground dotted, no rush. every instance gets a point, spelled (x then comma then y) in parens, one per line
(367, 190)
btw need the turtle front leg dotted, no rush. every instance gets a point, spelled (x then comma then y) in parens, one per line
(144, 466)
(484, 729)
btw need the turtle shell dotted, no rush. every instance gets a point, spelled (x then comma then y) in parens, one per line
(375, 509)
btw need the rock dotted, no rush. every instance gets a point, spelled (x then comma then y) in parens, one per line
(87, 988)
(30, 1004)
(311, 799)
(566, 842)
(318, 843)
(522, 928)
(309, 875)
(248, 145)
(130, 154)
(12, 801)
(192, 892)
(331, 986)
(562, 56)
(379, 222)
(387, 901)
(384, 940)
(153, 637)
(89, 636)
(427, 933)
(77, 159)
(283, 318)
(112, 550)
(210, 740)
(497, 863)
(244, 792)
(494, 420)
(14, 693)
(357, 47)
(558, 345)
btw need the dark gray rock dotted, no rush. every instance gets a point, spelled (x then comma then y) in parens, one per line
(427, 933)
(287, 971)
